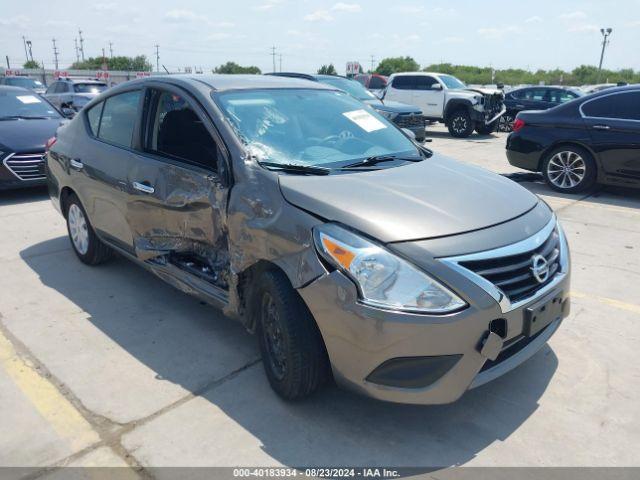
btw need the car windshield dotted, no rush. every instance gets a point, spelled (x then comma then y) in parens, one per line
(352, 87)
(452, 82)
(24, 104)
(89, 87)
(311, 127)
(23, 82)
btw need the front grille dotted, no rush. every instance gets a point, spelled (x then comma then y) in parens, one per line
(26, 166)
(492, 105)
(410, 121)
(514, 274)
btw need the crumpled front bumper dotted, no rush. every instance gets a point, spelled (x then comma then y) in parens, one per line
(359, 339)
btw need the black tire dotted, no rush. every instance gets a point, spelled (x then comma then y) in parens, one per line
(486, 129)
(460, 124)
(96, 252)
(574, 180)
(293, 353)
(505, 122)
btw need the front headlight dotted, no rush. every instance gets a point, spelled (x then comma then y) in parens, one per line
(383, 279)
(387, 115)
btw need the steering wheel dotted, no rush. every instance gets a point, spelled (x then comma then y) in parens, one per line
(343, 136)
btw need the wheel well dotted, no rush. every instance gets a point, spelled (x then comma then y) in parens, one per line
(247, 280)
(551, 148)
(453, 108)
(64, 196)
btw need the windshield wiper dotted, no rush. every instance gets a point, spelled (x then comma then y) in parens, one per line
(23, 117)
(374, 160)
(297, 168)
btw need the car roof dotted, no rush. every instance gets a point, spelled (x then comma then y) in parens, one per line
(401, 74)
(244, 82)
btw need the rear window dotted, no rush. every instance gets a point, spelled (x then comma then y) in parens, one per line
(89, 87)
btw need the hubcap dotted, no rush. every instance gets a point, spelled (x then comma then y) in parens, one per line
(78, 229)
(506, 123)
(566, 169)
(459, 124)
(273, 337)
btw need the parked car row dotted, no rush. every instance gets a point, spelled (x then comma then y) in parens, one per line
(351, 250)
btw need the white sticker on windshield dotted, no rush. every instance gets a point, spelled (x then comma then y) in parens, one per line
(28, 99)
(365, 120)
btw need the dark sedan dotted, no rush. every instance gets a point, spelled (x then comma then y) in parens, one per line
(534, 98)
(591, 139)
(27, 121)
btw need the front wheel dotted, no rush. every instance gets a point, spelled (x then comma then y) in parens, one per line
(293, 353)
(86, 244)
(460, 124)
(570, 169)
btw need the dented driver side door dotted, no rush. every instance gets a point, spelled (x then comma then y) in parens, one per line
(176, 208)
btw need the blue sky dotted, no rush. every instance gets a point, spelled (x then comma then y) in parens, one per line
(541, 34)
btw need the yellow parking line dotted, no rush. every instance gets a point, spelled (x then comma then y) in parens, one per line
(630, 307)
(63, 417)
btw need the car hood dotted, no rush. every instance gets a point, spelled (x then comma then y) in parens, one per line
(485, 91)
(433, 198)
(393, 107)
(28, 135)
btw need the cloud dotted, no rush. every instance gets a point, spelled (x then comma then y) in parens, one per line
(635, 24)
(443, 11)
(219, 36)
(347, 7)
(104, 7)
(449, 40)
(495, 33)
(577, 15)
(182, 16)
(409, 9)
(319, 16)
(534, 19)
(268, 5)
(584, 28)
(20, 21)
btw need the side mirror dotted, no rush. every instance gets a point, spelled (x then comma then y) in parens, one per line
(436, 86)
(409, 133)
(68, 112)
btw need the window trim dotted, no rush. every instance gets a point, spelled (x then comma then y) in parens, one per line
(200, 111)
(582, 114)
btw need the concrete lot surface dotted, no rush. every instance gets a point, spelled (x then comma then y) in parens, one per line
(109, 366)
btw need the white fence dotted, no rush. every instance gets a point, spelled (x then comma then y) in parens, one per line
(47, 76)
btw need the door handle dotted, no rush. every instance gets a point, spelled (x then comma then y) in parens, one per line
(143, 187)
(76, 163)
(601, 127)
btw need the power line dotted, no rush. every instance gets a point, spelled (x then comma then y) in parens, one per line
(280, 58)
(111, 49)
(81, 44)
(26, 55)
(273, 55)
(55, 53)
(75, 43)
(373, 63)
(157, 57)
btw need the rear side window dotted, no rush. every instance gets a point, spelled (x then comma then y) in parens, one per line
(424, 83)
(119, 118)
(377, 83)
(93, 115)
(623, 106)
(178, 132)
(561, 96)
(404, 82)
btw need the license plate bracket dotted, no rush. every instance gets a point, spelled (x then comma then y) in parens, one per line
(542, 313)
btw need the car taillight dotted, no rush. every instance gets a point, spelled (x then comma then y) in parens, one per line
(50, 143)
(518, 124)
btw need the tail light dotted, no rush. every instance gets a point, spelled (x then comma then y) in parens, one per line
(518, 124)
(50, 143)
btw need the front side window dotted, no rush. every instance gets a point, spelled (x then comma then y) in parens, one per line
(177, 131)
(119, 118)
(561, 96)
(310, 127)
(352, 87)
(24, 104)
(424, 82)
(623, 106)
(452, 82)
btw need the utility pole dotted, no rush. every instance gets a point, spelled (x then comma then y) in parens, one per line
(280, 58)
(157, 57)
(75, 42)
(605, 41)
(24, 42)
(81, 43)
(110, 49)
(55, 53)
(30, 52)
(373, 63)
(8, 64)
(273, 54)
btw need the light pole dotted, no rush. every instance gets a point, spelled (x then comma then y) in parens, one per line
(605, 34)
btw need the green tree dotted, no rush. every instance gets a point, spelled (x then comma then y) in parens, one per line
(137, 64)
(234, 68)
(31, 64)
(327, 70)
(397, 64)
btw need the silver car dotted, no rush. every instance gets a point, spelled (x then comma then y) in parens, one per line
(73, 93)
(350, 250)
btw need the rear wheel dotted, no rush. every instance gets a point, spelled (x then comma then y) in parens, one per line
(505, 123)
(460, 124)
(293, 352)
(570, 169)
(85, 243)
